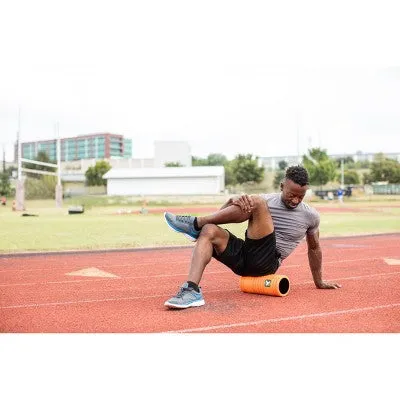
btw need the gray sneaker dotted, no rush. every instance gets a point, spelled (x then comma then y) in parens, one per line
(185, 298)
(182, 224)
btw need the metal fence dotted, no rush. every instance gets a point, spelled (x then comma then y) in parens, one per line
(392, 188)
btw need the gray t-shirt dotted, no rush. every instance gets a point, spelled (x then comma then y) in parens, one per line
(291, 226)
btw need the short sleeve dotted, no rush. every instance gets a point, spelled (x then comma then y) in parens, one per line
(267, 196)
(314, 222)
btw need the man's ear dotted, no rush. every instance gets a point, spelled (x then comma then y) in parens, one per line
(281, 186)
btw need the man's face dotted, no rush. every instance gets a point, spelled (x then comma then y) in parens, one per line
(292, 193)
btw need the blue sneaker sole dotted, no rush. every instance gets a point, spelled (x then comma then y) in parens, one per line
(179, 230)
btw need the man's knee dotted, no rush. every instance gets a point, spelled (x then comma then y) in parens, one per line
(259, 202)
(217, 236)
(210, 231)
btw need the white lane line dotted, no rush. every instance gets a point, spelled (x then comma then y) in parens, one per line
(177, 275)
(154, 296)
(104, 280)
(144, 264)
(353, 277)
(134, 262)
(167, 276)
(293, 318)
(170, 275)
(336, 262)
(61, 303)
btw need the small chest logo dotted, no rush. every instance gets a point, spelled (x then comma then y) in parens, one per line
(267, 283)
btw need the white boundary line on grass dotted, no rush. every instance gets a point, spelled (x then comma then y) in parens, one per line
(293, 318)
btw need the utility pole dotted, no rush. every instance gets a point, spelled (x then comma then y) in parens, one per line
(298, 137)
(20, 189)
(59, 194)
(342, 173)
(4, 158)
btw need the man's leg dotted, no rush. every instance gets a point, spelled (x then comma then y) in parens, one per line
(260, 220)
(191, 226)
(212, 237)
(190, 295)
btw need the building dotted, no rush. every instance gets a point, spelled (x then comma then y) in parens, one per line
(92, 146)
(165, 152)
(273, 162)
(359, 156)
(82, 165)
(165, 181)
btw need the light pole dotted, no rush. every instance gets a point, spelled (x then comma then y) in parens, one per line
(59, 194)
(342, 173)
(20, 187)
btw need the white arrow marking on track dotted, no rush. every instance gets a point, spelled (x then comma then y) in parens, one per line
(92, 272)
(392, 261)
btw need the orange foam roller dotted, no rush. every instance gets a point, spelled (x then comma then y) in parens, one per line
(273, 285)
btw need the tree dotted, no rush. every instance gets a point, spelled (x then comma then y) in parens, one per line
(5, 186)
(280, 174)
(362, 164)
(230, 179)
(367, 178)
(246, 169)
(199, 162)
(94, 175)
(212, 159)
(215, 159)
(383, 169)
(320, 167)
(348, 161)
(282, 165)
(173, 164)
(350, 177)
(278, 178)
(42, 188)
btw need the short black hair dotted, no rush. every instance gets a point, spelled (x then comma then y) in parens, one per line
(297, 174)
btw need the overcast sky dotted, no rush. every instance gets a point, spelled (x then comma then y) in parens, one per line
(268, 78)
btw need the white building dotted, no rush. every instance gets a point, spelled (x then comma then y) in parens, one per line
(273, 162)
(165, 181)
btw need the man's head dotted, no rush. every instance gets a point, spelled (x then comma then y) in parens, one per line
(294, 186)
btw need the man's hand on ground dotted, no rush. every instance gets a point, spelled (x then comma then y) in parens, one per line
(327, 285)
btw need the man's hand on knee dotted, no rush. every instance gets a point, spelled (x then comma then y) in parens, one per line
(245, 202)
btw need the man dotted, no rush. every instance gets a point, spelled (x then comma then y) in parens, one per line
(340, 195)
(277, 223)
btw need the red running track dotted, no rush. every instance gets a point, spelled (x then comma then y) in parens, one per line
(37, 295)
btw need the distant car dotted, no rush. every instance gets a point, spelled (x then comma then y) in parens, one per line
(324, 194)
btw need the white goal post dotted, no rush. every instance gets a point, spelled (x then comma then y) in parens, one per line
(20, 189)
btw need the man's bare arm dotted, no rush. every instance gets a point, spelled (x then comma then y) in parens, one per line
(243, 201)
(227, 204)
(315, 261)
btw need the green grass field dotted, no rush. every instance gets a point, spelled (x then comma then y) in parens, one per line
(101, 227)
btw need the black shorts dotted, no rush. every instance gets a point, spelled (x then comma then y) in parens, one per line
(250, 257)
